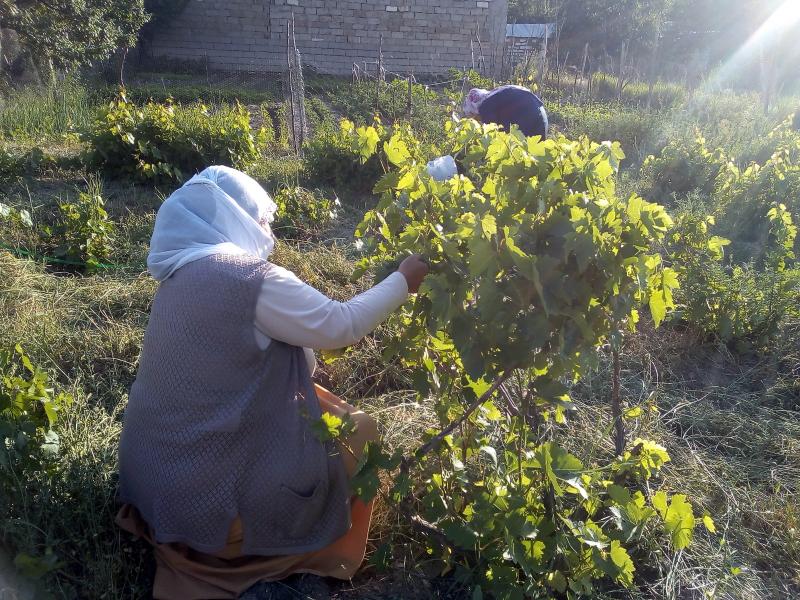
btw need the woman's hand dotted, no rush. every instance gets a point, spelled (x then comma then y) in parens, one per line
(414, 269)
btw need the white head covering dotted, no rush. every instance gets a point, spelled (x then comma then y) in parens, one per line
(219, 211)
(472, 102)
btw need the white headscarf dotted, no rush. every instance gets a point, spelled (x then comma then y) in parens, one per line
(219, 211)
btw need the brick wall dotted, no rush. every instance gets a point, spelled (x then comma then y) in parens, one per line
(426, 36)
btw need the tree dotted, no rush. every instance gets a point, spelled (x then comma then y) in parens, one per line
(533, 11)
(65, 34)
(669, 37)
(604, 24)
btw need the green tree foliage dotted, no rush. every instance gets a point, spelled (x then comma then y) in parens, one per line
(610, 24)
(161, 13)
(66, 34)
(604, 24)
(536, 262)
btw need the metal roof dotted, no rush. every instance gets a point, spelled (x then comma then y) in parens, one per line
(530, 30)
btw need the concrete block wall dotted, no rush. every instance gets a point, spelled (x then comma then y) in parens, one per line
(427, 37)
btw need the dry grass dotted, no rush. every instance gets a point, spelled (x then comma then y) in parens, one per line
(734, 453)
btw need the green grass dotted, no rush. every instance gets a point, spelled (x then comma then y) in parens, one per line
(47, 113)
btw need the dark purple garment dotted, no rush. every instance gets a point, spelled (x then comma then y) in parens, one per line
(514, 105)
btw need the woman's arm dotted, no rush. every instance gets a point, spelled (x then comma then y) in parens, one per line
(293, 312)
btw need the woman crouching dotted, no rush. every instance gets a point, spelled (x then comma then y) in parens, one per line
(219, 468)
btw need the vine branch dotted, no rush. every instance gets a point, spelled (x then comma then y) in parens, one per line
(616, 407)
(434, 442)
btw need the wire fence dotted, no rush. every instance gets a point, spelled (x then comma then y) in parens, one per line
(296, 101)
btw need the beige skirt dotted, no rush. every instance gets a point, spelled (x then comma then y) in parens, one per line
(185, 574)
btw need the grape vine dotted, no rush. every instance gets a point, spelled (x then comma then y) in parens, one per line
(536, 265)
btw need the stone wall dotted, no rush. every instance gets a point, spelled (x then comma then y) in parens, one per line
(424, 36)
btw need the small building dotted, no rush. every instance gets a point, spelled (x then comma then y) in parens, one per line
(426, 36)
(524, 38)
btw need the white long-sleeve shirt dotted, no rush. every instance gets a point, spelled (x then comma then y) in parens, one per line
(294, 312)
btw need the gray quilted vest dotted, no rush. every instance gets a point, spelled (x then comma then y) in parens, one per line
(216, 428)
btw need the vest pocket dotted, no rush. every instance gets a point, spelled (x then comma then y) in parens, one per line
(306, 509)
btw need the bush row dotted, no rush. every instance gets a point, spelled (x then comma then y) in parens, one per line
(744, 296)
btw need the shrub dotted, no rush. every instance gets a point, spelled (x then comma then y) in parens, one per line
(332, 160)
(302, 213)
(473, 77)
(273, 171)
(683, 168)
(170, 141)
(741, 304)
(280, 120)
(357, 103)
(319, 114)
(35, 161)
(185, 92)
(29, 409)
(11, 167)
(665, 94)
(84, 228)
(733, 121)
(635, 130)
(747, 195)
(783, 136)
(535, 263)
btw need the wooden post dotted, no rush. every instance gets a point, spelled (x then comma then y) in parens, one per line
(122, 67)
(543, 69)
(300, 91)
(768, 76)
(623, 55)
(560, 69)
(558, 61)
(411, 95)
(378, 78)
(291, 84)
(653, 65)
(585, 60)
(616, 407)
(472, 52)
(481, 57)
